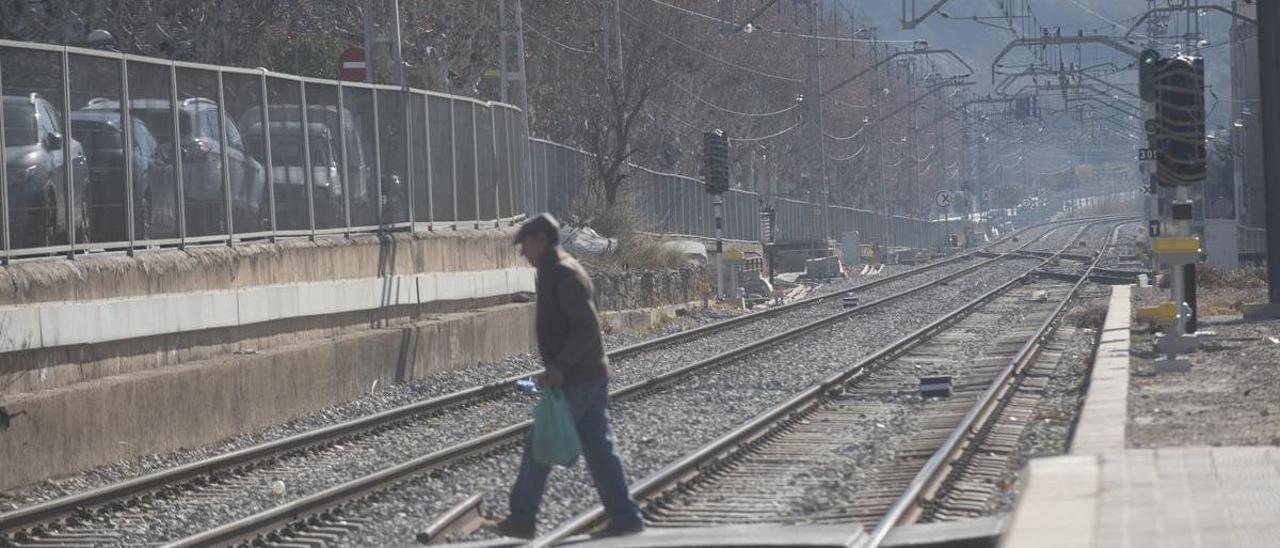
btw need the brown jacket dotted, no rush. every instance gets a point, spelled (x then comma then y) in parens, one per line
(568, 325)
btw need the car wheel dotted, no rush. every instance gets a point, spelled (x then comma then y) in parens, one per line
(145, 232)
(84, 229)
(50, 220)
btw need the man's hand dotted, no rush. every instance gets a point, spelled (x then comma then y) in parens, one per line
(550, 378)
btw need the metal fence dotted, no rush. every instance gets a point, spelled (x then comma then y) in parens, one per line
(220, 154)
(212, 154)
(675, 204)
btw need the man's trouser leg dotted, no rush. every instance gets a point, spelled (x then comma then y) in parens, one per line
(526, 494)
(602, 458)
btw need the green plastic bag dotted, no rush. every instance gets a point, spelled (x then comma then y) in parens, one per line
(555, 437)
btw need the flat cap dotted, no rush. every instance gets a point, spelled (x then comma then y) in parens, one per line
(542, 223)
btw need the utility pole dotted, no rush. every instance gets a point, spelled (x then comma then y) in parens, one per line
(813, 114)
(396, 53)
(913, 133)
(1268, 56)
(940, 156)
(511, 61)
(878, 136)
(965, 170)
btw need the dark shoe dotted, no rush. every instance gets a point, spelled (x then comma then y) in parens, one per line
(619, 530)
(524, 531)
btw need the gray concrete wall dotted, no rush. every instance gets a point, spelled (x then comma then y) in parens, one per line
(70, 321)
(256, 264)
(74, 427)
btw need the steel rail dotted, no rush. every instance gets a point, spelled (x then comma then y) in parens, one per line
(36, 514)
(939, 465)
(318, 503)
(770, 421)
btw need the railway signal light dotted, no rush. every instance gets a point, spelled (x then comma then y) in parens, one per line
(715, 161)
(1180, 135)
(1149, 63)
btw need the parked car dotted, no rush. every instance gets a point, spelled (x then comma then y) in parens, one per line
(35, 161)
(154, 186)
(289, 171)
(201, 150)
(359, 173)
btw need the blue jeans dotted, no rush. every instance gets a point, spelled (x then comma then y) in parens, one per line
(589, 403)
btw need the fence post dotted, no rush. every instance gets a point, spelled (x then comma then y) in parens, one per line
(493, 138)
(475, 164)
(408, 152)
(226, 162)
(177, 156)
(308, 177)
(68, 161)
(377, 162)
(426, 125)
(266, 147)
(4, 180)
(126, 126)
(453, 165)
(511, 165)
(346, 165)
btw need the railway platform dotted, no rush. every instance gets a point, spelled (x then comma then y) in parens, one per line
(1108, 494)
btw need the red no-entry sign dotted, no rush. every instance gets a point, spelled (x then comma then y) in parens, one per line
(352, 66)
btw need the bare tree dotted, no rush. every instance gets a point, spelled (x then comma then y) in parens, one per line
(620, 85)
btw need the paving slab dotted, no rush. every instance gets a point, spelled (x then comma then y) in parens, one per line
(732, 535)
(1172, 496)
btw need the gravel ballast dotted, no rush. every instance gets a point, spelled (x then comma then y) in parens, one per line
(734, 392)
(657, 430)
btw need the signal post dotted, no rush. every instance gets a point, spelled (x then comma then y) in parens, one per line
(1175, 88)
(715, 166)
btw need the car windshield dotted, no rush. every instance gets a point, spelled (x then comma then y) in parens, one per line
(287, 150)
(95, 134)
(19, 125)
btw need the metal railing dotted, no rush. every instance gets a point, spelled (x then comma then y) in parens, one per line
(219, 155)
(223, 154)
(675, 204)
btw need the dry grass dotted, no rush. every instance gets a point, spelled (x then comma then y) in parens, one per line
(1224, 292)
(1212, 277)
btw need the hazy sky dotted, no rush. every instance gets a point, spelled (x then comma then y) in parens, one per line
(979, 43)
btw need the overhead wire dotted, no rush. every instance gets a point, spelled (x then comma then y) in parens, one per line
(776, 31)
(765, 137)
(710, 56)
(731, 111)
(847, 137)
(544, 36)
(851, 156)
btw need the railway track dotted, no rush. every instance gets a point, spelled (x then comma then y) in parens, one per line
(101, 515)
(867, 430)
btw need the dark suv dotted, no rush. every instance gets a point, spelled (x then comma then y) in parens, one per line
(289, 170)
(201, 151)
(154, 189)
(35, 162)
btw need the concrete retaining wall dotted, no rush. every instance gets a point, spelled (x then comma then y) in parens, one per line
(635, 289)
(60, 431)
(63, 321)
